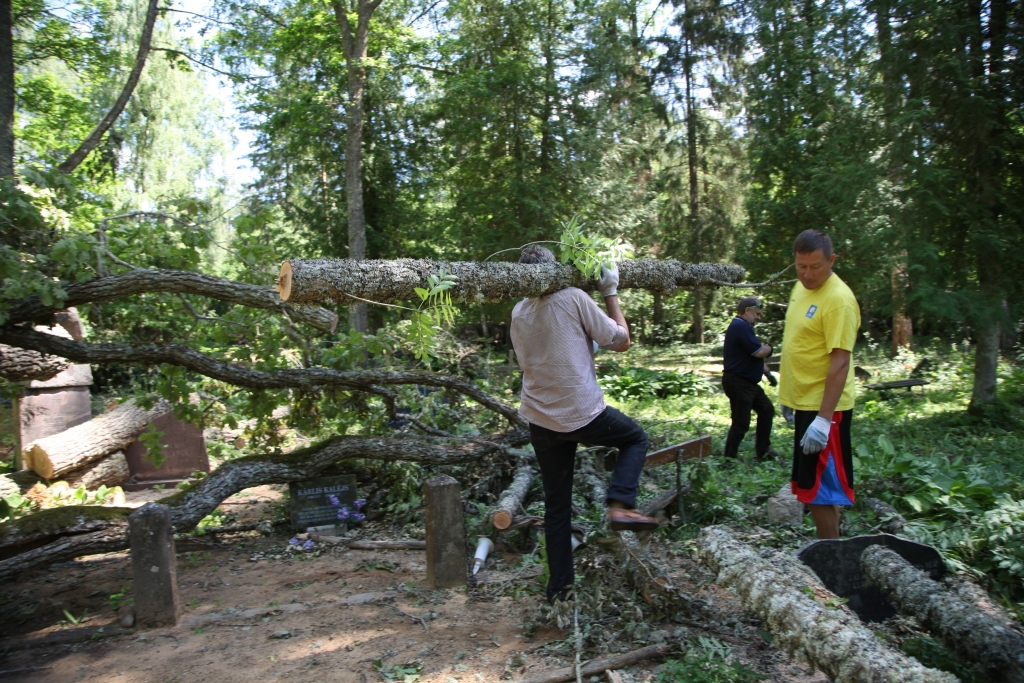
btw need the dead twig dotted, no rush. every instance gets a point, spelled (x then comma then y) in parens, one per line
(414, 617)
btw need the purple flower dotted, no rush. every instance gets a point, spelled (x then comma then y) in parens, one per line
(334, 500)
(294, 540)
(308, 545)
(358, 516)
(343, 513)
(359, 503)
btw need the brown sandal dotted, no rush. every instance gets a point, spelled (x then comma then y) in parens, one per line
(621, 519)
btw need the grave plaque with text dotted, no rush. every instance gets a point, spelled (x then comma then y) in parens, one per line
(837, 564)
(311, 504)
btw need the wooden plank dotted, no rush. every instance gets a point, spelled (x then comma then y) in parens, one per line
(898, 384)
(688, 450)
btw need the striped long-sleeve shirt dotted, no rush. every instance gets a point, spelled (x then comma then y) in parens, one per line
(552, 338)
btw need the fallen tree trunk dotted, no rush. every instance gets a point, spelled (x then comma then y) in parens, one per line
(976, 636)
(23, 365)
(312, 379)
(647, 576)
(512, 498)
(110, 471)
(64, 533)
(348, 281)
(596, 667)
(72, 449)
(154, 280)
(890, 518)
(832, 640)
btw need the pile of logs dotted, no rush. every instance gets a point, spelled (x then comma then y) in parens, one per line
(91, 454)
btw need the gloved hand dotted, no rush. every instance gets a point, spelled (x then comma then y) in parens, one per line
(816, 435)
(609, 281)
(771, 379)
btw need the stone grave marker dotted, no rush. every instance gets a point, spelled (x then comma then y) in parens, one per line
(446, 533)
(310, 505)
(837, 564)
(784, 508)
(184, 451)
(154, 567)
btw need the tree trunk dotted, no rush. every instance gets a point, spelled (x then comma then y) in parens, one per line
(22, 365)
(340, 280)
(110, 471)
(91, 142)
(831, 640)
(60, 534)
(691, 161)
(967, 630)
(17, 482)
(72, 449)
(512, 499)
(6, 89)
(355, 48)
(986, 366)
(902, 326)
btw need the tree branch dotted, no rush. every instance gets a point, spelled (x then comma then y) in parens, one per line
(60, 534)
(152, 280)
(91, 142)
(310, 379)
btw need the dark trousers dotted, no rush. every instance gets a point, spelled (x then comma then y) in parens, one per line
(556, 455)
(745, 396)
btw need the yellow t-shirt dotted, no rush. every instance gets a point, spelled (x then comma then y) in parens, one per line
(817, 321)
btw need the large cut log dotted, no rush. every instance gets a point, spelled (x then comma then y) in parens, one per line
(976, 636)
(110, 471)
(891, 519)
(831, 639)
(22, 365)
(61, 534)
(348, 281)
(72, 449)
(512, 498)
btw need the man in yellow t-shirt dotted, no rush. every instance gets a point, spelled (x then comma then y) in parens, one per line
(816, 379)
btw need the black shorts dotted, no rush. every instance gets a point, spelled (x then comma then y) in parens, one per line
(824, 478)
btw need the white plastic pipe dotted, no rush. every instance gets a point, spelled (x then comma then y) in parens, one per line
(576, 543)
(484, 546)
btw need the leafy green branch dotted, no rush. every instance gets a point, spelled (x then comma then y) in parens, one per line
(589, 252)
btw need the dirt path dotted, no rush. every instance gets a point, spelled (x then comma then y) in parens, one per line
(255, 611)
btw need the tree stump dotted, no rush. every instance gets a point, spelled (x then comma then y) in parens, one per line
(446, 533)
(154, 567)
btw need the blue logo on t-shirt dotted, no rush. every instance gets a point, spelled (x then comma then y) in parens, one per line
(811, 311)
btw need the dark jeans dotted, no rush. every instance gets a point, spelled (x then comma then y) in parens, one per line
(556, 455)
(745, 396)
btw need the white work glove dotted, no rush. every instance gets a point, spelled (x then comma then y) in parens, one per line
(609, 281)
(816, 435)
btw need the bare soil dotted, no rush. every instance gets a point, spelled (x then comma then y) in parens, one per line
(255, 611)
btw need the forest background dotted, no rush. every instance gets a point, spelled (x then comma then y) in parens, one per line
(697, 130)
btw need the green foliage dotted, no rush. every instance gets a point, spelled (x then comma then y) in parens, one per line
(639, 382)
(589, 252)
(708, 660)
(435, 310)
(935, 655)
(154, 449)
(121, 598)
(403, 673)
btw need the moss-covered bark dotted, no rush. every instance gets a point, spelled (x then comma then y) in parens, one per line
(976, 636)
(347, 281)
(832, 639)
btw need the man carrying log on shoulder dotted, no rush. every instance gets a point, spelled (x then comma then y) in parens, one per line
(554, 338)
(816, 379)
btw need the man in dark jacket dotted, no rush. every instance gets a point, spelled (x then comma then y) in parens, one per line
(744, 367)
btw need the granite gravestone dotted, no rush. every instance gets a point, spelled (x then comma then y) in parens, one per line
(837, 564)
(310, 502)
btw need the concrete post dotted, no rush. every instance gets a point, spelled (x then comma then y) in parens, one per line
(446, 533)
(154, 567)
